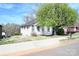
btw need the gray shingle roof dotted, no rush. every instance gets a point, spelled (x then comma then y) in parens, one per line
(29, 23)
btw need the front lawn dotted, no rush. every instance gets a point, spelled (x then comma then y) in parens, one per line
(75, 36)
(17, 39)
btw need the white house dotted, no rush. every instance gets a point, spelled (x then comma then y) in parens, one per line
(32, 27)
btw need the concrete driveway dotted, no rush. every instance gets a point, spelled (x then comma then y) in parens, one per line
(70, 49)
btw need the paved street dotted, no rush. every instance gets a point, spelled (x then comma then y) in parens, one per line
(68, 50)
(65, 48)
(13, 49)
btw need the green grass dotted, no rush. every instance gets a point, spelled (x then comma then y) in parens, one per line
(6, 41)
(17, 39)
(75, 36)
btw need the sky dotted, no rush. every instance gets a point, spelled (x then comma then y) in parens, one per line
(15, 12)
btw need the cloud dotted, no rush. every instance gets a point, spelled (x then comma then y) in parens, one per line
(6, 6)
(74, 5)
(15, 12)
(26, 8)
(17, 8)
(11, 19)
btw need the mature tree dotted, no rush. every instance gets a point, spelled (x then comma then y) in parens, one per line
(11, 29)
(56, 15)
(29, 18)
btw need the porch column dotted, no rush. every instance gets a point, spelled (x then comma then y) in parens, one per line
(50, 30)
(45, 30)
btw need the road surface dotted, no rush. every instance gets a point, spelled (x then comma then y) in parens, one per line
(67, 50)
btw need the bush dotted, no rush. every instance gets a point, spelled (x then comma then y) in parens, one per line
(60, 31)
(17, 34)
(34, 34)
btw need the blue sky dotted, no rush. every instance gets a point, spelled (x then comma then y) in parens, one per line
(15, 12)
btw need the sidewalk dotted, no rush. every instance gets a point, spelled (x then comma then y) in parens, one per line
(29, 47)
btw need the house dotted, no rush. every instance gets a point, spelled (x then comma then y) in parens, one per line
(74, 28)
(32, 27)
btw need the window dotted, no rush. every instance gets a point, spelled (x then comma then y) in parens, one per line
(32, 27)
(42, 28)
(27, 27)
(77, 28)
(38, 28)
(48, 29)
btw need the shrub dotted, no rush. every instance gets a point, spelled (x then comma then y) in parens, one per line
(17, 34)
(34, 34)
(60, 31)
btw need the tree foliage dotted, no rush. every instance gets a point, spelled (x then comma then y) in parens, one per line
(56, 15)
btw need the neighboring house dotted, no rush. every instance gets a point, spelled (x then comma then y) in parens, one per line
(74, 28)
(32, 27)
